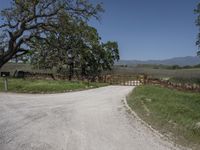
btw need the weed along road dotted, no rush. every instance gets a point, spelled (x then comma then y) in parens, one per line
(95, 119)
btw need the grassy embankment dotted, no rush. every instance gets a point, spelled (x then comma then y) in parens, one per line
(173, 113)
(45, 86)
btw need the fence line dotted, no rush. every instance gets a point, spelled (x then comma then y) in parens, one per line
(178, 86)
(125, 80)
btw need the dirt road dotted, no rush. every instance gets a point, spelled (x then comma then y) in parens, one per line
(88, 120)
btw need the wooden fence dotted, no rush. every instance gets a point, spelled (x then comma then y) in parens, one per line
(179, 86)
(125, 80)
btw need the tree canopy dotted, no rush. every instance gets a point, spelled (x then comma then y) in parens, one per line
(55, 33)
(26, 20)
(75, 46)
(197, 11)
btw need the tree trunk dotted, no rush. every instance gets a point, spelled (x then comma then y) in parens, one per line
(2, 62)
(5, 59)
(9, 54)
(71, 71)
(83, 71)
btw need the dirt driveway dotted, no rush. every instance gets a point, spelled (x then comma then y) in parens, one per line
(88, 120)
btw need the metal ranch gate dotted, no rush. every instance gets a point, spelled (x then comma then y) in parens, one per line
(125, 80)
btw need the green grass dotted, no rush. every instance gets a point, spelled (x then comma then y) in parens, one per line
(45, 86)
(172, 112)
(185, 80)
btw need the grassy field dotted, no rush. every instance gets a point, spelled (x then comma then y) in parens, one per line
(159, 73)
(173, 113)
(45, 86)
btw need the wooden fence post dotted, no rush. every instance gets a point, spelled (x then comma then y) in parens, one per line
(6, 84)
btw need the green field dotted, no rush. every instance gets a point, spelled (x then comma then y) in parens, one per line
(159, 73)
(173, 113)
(45, 86)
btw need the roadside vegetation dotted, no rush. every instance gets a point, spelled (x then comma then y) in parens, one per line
(185, 80)
(46, 86)
(174, 113)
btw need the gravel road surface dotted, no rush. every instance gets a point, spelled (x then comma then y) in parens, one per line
(87, 120)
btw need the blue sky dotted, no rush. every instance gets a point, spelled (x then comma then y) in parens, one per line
(148, 29)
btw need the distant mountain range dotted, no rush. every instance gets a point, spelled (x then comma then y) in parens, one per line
(181, 61)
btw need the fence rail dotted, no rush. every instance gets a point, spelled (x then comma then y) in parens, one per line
(179, 86)
(125, 80)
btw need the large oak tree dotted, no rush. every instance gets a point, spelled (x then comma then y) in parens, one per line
(28, 20)
(75, 46)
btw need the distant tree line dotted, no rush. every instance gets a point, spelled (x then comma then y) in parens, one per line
(160, 66)
(55, 34)
(173, 67)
